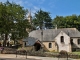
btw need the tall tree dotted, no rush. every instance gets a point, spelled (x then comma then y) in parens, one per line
(41, 19)
(72, 21)
(59, 21)
(12, 20)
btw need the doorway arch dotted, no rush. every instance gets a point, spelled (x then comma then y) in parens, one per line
(37, 46)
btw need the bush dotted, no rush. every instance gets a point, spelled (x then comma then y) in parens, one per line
(9, 51)
(63, 52)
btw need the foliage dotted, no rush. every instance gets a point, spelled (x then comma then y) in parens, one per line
(41, 19)
(12, 20)
(63, 52)
(67, 21)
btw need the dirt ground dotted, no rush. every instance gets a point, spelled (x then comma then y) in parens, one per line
(23, 57)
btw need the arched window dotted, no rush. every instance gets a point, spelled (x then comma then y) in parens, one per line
(50, 45)
(78, 41)
(62, 39)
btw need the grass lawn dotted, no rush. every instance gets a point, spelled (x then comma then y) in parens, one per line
(78, 53)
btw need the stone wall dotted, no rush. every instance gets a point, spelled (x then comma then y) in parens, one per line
(66, 44)
(53, 48)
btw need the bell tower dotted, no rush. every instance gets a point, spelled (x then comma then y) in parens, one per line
(29, 17)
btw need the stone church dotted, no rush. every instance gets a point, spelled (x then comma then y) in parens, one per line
(67, 39)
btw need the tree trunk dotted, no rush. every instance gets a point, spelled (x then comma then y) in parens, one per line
(5, 40)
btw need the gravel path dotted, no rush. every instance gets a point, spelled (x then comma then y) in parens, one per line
(22, 57)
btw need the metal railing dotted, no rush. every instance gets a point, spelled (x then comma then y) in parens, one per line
(21, 52)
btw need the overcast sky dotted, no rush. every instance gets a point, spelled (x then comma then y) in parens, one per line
(55, 7)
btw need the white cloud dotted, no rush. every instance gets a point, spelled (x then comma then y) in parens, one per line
(34, 5)
(36, 8)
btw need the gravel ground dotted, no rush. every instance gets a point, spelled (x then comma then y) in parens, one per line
(22, 57)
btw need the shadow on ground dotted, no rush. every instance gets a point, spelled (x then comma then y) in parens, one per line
(18, 59)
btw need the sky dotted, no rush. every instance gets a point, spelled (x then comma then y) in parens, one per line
(54, 7)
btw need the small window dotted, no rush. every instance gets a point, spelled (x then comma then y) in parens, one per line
(71, 41)
(50, 45)
(78, 41)
(62, 39)
(25, 44)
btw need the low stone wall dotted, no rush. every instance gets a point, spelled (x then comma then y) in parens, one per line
(43, 54)
(8, 51)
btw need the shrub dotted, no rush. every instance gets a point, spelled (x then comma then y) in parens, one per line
(63, 52)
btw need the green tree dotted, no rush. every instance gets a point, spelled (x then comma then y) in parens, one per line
(59, 21)
(72, 21)
(12, 20)
(41, 19)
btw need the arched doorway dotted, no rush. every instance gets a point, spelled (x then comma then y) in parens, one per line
(57, 46)
(37, 46)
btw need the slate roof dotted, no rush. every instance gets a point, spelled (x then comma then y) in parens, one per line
(50, 34)
(30, 41)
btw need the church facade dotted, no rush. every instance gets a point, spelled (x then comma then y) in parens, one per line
(67, 39)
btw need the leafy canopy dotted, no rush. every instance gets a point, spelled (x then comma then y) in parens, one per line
(42, 19)
(12, 20)
(67, 21)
